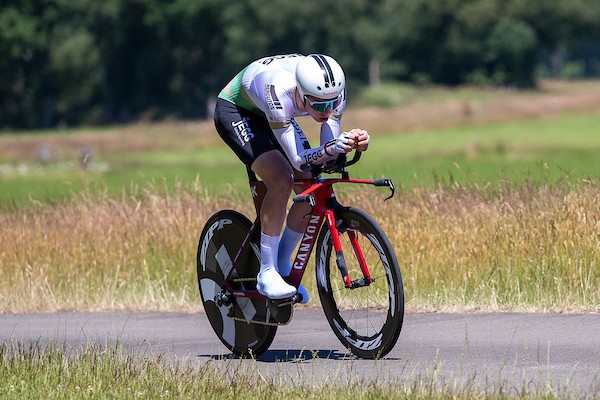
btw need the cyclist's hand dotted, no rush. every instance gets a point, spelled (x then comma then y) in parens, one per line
(343, 144)
(361, 139)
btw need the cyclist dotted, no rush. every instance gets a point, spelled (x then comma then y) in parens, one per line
(255, 115)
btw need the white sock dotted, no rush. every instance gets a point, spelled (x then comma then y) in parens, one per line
(287, 245)
(268, 281)
(268, 247)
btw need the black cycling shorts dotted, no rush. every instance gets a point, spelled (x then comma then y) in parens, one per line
(248, 134)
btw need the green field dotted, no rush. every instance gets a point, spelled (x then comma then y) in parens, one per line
(563, 148)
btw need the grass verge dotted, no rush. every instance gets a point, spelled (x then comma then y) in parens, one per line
(52, 371)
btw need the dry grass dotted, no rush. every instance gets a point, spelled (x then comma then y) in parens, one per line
(136, 252)
(521, 249)
(524, 248)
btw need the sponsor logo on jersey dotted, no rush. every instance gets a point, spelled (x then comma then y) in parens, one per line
(300, 134)
(313, 157)
(271, 98)
(243, 131)
(305, 143)
(269, 60)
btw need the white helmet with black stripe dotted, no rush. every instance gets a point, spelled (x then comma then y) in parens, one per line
(320, 76)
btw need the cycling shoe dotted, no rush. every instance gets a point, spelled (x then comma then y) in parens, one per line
(269, 283)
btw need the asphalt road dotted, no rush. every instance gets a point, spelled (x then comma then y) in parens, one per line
(512, 350)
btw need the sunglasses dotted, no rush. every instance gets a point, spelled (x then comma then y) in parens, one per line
(321, 105)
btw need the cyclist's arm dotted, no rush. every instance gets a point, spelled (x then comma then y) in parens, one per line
(296, 148)
(331, 128)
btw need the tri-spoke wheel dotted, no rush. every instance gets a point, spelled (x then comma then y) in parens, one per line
(366, 319)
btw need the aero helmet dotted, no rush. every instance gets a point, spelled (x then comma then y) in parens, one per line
(320, 76)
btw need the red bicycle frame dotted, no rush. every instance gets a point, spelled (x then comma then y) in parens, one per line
(319, 194)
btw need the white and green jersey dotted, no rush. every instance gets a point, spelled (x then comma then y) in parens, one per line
(267, 87)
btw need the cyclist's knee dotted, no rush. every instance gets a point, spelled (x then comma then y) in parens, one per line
(275, 171)
(280, 181)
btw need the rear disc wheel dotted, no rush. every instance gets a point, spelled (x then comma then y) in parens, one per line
(221, 239)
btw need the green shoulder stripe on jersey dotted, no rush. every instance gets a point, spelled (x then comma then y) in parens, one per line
(235, 93)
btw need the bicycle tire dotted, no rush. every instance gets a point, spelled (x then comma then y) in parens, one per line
(221, 239)
(367, 320)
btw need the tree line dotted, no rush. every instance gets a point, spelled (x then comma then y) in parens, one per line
(87, 61)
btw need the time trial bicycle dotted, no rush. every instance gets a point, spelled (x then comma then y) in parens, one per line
(357, 273)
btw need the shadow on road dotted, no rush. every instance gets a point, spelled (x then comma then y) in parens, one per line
(289, 356)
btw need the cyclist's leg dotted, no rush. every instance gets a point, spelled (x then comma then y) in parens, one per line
(288, 243)
(292, 234)
(250, 137)
(277, 174)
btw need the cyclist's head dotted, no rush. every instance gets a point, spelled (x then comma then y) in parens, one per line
(321, 77)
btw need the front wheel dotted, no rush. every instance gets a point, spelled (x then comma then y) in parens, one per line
(368, 319)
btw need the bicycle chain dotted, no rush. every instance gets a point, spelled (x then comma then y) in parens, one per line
(256, 322)
(262, 322)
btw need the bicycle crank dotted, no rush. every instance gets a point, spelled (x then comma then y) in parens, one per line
(281, 310)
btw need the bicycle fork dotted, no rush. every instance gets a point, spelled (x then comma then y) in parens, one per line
(340, 260)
